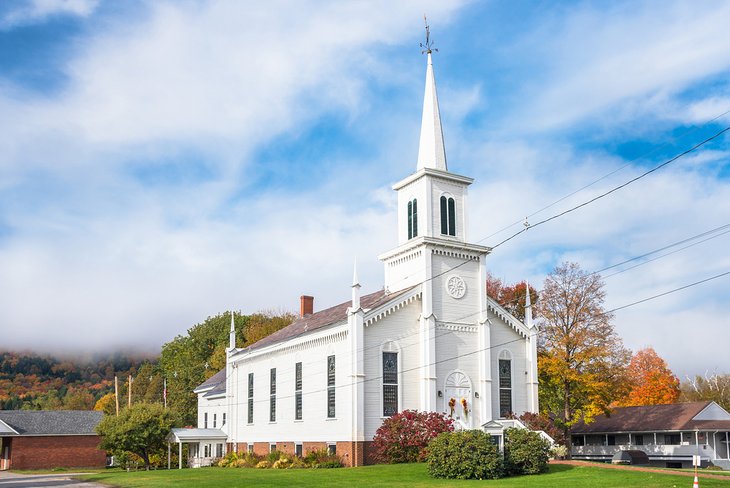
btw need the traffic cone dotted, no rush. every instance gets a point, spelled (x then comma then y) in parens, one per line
(696, 484)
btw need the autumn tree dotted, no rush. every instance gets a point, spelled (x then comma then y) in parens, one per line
(714, 387)
(510, 297)
(106, 404)
(581, 360)
(651, 380)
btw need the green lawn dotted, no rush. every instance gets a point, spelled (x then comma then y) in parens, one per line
(404, 475)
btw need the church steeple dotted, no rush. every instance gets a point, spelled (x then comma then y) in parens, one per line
(431, 151)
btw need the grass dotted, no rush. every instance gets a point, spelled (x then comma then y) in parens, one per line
(402, 475)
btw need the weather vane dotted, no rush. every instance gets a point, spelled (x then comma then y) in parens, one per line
(429, 43)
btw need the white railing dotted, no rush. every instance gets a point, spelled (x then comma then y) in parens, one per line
(652, 450)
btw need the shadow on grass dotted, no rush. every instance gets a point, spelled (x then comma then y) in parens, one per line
(561, 468)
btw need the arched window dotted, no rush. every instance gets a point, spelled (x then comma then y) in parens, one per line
(505, 384)
(448, 216)
(412, 219)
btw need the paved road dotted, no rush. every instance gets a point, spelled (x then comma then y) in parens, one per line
(64, 480)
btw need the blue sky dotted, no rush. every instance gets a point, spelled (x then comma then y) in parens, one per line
(165, 161)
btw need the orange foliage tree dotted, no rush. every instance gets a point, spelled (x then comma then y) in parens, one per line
(652, 382)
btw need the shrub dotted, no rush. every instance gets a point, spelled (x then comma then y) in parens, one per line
(322, 459)
(404, 436)
(263, 464)
(525, 452)
(558, 452)
(274, 456)
(543, 422)
(467, 454)
(228, 460)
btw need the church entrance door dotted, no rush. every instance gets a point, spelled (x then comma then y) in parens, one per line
(458, 400)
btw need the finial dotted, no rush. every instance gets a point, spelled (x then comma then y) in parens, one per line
(528, 302)
(427, 47)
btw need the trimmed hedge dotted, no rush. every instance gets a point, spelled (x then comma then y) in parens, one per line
(467, 454)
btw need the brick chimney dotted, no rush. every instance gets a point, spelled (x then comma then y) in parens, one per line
(306, 305)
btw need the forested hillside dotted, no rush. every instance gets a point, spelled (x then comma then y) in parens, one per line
(44, 382)
(34, 381)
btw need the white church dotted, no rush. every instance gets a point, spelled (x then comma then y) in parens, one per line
(429, 340)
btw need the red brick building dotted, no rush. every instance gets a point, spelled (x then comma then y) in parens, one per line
(37, 439)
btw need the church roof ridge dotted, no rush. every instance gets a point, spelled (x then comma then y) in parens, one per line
(324, 318)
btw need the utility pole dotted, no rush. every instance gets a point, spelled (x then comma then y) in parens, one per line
(116, 393)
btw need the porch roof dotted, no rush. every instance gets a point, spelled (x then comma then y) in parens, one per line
(196, 435)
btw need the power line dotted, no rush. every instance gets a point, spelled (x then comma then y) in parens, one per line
(616, 188)
(667, 292)
(611, 173)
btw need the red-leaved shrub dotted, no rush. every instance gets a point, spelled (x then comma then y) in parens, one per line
(403, 437)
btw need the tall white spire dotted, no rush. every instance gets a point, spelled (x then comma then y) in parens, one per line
(431, 151)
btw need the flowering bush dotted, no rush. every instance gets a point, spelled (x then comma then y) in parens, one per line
(403, 437)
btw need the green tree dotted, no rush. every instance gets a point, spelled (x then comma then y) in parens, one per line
(190, 359)
(581, 360)
(140, 429)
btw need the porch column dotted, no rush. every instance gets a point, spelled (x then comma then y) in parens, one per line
(629, 438)
(179, 455)
(727, 447)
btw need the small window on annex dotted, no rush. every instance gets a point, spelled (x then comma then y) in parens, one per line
(448, 216)
(205, 420)
(298, 450)
(412, 219)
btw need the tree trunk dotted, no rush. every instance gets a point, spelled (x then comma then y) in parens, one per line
(146, 458)
(567, 415)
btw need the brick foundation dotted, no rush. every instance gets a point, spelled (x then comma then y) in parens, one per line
(46, 452)
(308, 447)
(261, 448)
(285, 447)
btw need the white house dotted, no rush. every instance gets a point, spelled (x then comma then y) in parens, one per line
(669, 434)
(430, 339)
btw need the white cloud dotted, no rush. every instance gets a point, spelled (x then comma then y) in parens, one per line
(33, 11)
(597, 59)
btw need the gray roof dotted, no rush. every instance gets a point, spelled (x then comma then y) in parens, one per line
(327, 317)
(52, 422)
(215, 382)
(671, 417)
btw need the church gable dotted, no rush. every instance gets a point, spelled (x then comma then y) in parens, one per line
(513, 322)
